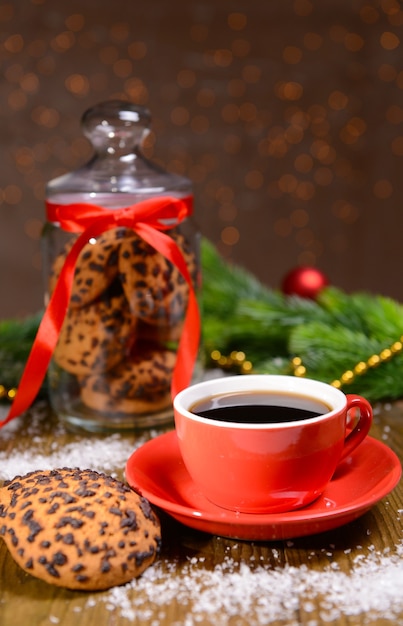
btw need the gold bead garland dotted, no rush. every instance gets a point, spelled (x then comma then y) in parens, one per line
(298, 368)
(237, 361)
(359, 369)
(7, 394)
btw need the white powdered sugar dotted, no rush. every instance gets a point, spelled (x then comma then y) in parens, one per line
(104, 454)
(262, 595)
(102, 457)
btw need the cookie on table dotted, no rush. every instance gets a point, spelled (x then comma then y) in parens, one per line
(96, 267)
(96, 337)
(78, 529)
(155, 289)
(138, 385)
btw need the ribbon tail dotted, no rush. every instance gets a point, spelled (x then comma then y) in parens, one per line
(190, 338)
(188, 347)
(46, 337)
(34, 371)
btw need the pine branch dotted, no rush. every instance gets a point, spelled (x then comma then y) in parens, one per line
(373, 315)
(16, 338)
(332, 348)
(331, 335)
(224, 285)
(327, 352)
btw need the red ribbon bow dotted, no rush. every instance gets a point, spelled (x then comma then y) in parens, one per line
(149, 218)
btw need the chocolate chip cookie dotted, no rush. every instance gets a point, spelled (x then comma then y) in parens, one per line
(96, 267)
(96, 337)
(139, 384)
(155, 288)
(78, 529)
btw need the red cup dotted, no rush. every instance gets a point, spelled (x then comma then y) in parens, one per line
(267, 467)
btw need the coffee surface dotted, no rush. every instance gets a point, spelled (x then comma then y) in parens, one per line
(259, 407)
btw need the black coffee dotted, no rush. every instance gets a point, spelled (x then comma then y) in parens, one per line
(259, 407)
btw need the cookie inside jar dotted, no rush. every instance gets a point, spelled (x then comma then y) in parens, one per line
(116, 351)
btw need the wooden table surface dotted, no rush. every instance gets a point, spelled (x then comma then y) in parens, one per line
(335, 577)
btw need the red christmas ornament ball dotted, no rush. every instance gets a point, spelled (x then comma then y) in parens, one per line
(304, 281)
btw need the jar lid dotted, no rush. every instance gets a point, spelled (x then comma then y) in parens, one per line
(116, 130)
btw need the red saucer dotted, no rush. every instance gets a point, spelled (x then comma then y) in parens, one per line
(156, 470)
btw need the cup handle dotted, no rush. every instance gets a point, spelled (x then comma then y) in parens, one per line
(361, 429)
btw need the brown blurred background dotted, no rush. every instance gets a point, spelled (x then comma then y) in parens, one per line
(287, 116)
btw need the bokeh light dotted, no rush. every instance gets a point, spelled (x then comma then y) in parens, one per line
(288, 119)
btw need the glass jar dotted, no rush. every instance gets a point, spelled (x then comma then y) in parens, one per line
(115, 357)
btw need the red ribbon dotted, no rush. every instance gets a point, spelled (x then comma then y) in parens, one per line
(149, 218)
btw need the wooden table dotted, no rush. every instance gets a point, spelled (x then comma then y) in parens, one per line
(335, 577)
